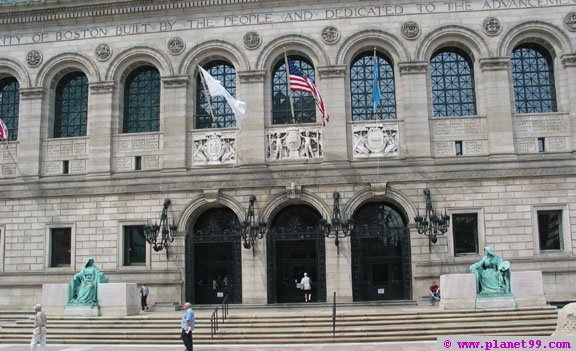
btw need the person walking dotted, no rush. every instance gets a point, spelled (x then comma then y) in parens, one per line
(187, 325)
(144, 291)
(306, 285)
(39, 336)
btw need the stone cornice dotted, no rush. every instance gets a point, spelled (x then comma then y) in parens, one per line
(494, 63)
(175, 81)
(332, 71)
(251, 76)
(568, 60)
(31, 93)
(45, 12)
(102, 87)
(416, 67)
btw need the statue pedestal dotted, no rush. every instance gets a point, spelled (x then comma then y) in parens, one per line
(458, 291)
(82, 311)
(54, 298)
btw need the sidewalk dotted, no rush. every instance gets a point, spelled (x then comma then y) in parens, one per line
(408, 346)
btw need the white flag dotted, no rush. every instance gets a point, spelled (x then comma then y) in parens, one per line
(216, 89)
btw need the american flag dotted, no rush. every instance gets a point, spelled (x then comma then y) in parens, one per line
(3, 131)
(298, 81)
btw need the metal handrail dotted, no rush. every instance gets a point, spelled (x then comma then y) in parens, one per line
(334, 317)
(225, 306)
(214, 323)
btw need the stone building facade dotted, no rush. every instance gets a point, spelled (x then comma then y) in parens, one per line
(108, 118)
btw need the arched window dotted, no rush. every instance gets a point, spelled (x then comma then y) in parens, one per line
(533, 77)
(10, 105)
(362, 80)
(71, 106)
(304, 104)
(223, 114)
(142, 101)
(452, 83)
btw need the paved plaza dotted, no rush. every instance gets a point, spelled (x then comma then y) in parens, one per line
(407, 346)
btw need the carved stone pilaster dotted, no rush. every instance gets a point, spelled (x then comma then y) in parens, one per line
(568, 60)
(252, 76)
(211, 195)
(378, 188)
(175, 81)
(31, 93)
(418, 67)
(102, 87)
(332, 71)
(293, 191)
(495, 64)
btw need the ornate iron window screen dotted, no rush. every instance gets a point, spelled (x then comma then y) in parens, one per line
(432, 225)
(166, 230)
(142, 101)
(226, 74)
(10, 105)
(336, 225)
(71, 106)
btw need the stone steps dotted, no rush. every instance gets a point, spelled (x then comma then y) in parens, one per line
(276, 326)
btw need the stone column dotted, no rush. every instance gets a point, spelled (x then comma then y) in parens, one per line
(30, 132)
(416, 141)
(332, 85)
(174, 123)
(100, 114)
(251, 133)
(498, 109)
(569, 63)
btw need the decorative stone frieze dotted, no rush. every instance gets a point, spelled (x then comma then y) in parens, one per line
(330, 35)
(213, 148)
(375, 140)
(175, 45)
(251, 76)
(570, 21)
(34, 58)
(211, 195)
(410, 30)
(419, 67)
(138, 142)
(103, 52)
(251, 40)
(102, 87)
(568, 60)
(332, 71)
(293, 191)
(492, 26)
(494, 64)
(31, 93)
(294, 143)
(378, 189)
(175, 81)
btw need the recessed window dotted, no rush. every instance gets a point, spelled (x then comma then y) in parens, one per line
(465, 232)
(458, 147)
(71, 106)
(138, 163)
(541, 144)
(60, 247)
(142, 101)
(65, 167)
(550, 229)
(215, 112)
(10, 105)
(134, 246)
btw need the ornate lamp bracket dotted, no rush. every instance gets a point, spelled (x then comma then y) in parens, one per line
(337, 228)
(167, 231)
(250, 230)
(431, 224)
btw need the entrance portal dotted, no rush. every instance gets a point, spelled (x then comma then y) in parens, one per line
(213, 259)
(380, 254)
(295, 246)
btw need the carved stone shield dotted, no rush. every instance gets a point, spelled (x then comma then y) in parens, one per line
(375, 139)
(293, 142)
(214, 147)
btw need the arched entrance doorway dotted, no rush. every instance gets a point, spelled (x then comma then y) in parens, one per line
(213, 259)
(295, 245)
(380, 245)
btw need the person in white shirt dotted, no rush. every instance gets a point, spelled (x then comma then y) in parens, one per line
(306, 285)
(39, 336)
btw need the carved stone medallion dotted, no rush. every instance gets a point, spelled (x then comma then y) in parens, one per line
(34, 58)
(492, 26)
(176, 45)
(251, 40)
(410, 30)
(293, 142)
(570, 21)
(330, 35)
(103, 52)
(214, 147)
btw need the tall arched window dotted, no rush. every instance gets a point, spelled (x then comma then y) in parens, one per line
(223, 114)
(71, 106)
(10, 105)
(142, 101)
(304, 104)
(362, 80)
(452, 83)
(533, 77)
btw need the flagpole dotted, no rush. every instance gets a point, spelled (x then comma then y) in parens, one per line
(288, 83)
(373, 74)
(208, 98)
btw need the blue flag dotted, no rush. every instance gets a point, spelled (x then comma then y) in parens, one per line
(376, 92)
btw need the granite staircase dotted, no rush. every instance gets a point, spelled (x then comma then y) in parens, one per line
(304, 323)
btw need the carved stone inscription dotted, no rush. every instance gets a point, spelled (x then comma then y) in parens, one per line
(60, 148)
(294, 143)
(8, 151)
(540, 124)
(126, 143)
(375, 140)
(526, 145)
(444, 149)
(458, 127)
(9, 170)
(556, 144)
(473, 147)
(217, 147)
